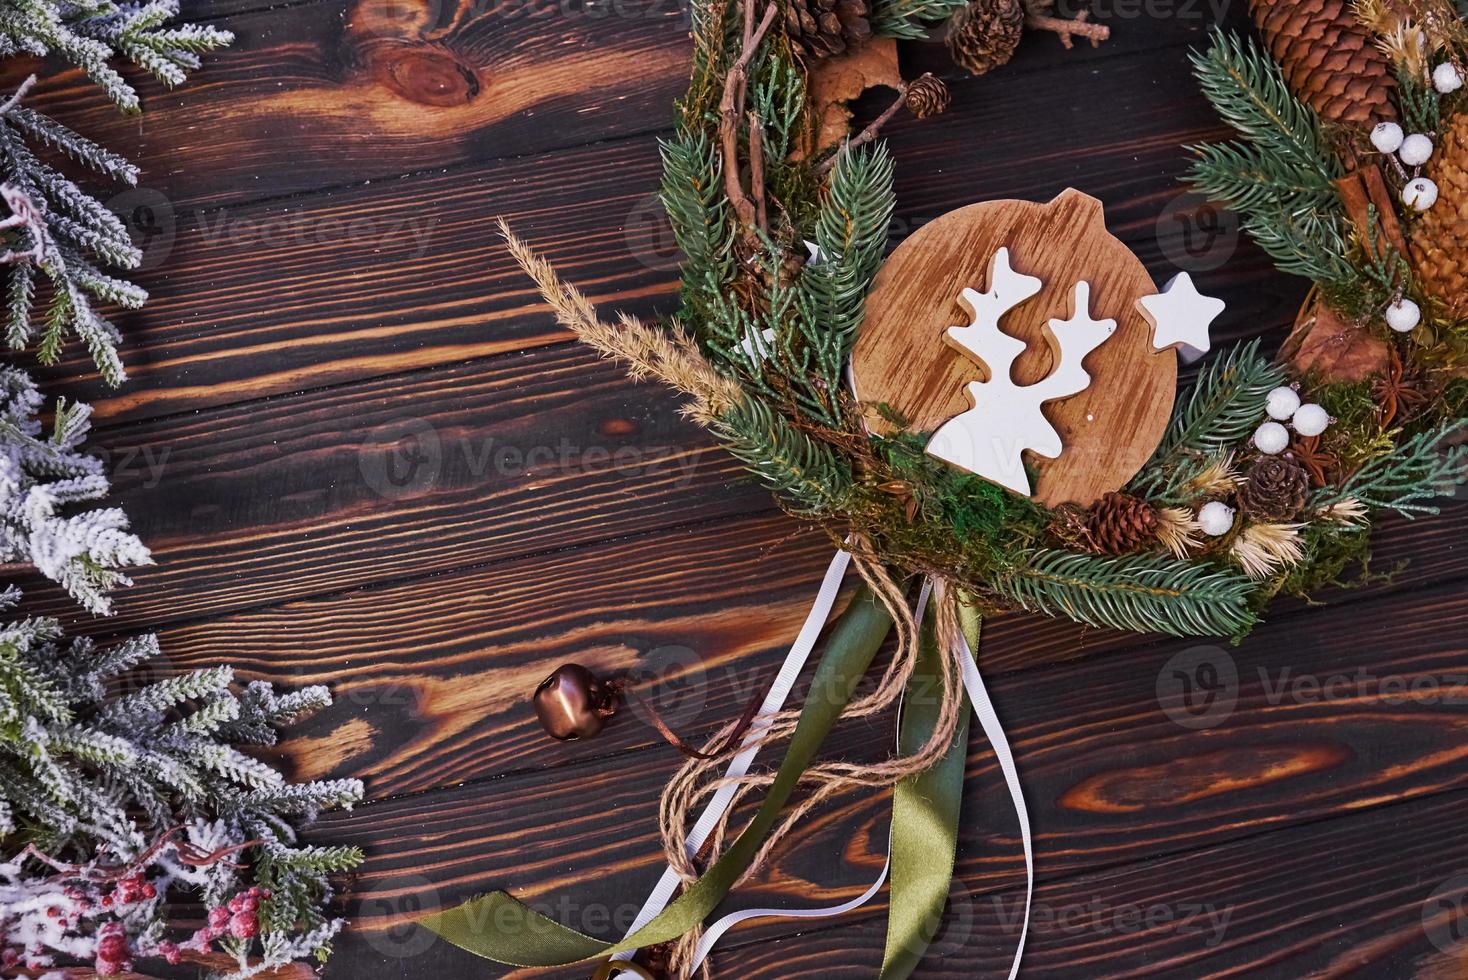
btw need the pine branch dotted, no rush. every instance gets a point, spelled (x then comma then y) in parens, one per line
(1139, 593)
(1282, 177)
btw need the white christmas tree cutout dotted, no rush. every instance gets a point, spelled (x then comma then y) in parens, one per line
(990, 438)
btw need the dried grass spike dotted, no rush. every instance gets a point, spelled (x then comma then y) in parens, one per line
(1178, 529)
(1263, 549)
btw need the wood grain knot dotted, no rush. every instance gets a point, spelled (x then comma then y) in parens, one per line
(618, 427)
(426, 75)
(1181, 781)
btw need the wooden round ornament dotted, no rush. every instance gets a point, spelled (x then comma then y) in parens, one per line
(907, 358)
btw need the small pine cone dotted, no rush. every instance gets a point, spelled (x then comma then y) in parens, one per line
(1120, 523)
(983, 35)
(1440, 235)
(1275, 489)
(1329, 59)
(927, 96)
(823, 28)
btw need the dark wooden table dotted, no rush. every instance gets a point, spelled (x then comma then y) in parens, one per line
(365, 456)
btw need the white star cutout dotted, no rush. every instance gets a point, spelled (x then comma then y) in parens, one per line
(1180, 317)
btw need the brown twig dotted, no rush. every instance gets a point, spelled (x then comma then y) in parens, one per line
(757, 171)
(1079, 27)
(731, 108)
(870, 133)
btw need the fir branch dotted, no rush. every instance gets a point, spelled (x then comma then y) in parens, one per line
(1142, 593)
(809, 474)
(1224, 405)
(1249, 90)
(910, 19)
(1422, 467)
(1281, 179)
(851, 231)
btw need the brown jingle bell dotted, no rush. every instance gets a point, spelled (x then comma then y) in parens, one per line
(571, 703)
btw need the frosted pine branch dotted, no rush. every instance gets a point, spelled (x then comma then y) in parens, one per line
(41, 479)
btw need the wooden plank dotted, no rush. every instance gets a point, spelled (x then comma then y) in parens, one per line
(702, 615)
(1334, 712)
(432, 677)
(320, 94)
(323, 94)
(1266, 906)
(405, 476)
(320, 290)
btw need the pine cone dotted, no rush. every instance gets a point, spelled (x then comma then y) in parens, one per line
(1275, 489)
(927, 96)
(827, 27)
(1440, 236)
(1120, 523)
(983, 35)
(1329, 59)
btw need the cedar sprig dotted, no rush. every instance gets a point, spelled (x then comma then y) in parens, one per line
(1421, 467)
(1143, 593)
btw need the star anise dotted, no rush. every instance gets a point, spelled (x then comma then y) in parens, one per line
(1398, 391)
(1316, 461)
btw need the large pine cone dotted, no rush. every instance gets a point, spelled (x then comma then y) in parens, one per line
(983, 35)
(827, 27)
(1329, 59)
(1275, 489)
(1120, 523)
(1440, 236)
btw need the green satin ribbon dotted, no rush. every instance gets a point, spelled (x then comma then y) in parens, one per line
(499, 928)
(925, 812)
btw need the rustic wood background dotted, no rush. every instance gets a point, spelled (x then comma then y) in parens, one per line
(365, 456)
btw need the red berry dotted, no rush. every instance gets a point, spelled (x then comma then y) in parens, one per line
(243, 925)
(149, 891)
(53, 913)
(107, 900)
(112, 946)
(218, 917)
(170, 952)
(108, 968)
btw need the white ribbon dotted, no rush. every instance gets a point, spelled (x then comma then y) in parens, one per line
(978, 696)
(775, 700)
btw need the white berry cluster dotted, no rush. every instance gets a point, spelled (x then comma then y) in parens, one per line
(1283, 406)
(1415, 149)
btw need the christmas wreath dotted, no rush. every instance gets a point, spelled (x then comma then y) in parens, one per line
(992, 410)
